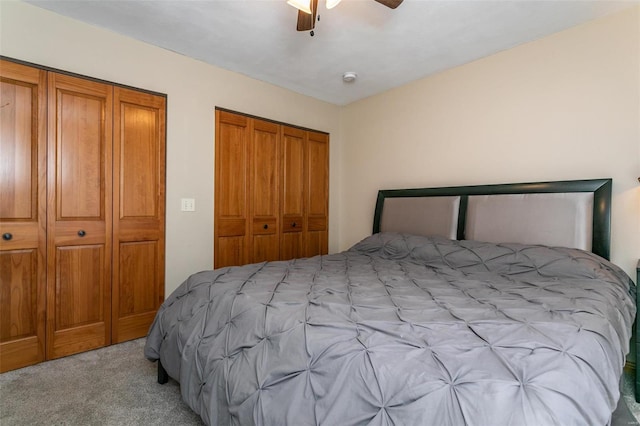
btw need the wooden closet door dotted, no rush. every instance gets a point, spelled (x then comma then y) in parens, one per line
(138, 212)
(317, 192)
(264, 189)
(231, 216)
(293, 187)
(22, 215)
(79, 215)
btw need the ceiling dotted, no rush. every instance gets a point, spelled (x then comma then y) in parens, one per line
(386, 48)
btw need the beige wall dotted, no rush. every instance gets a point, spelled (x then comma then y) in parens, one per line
(194, 89)
(563, 107)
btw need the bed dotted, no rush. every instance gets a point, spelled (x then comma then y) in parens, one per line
(480, 305)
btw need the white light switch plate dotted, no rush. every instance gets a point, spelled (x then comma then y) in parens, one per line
(188, 205)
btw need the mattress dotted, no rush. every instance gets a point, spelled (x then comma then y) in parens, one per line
(402, 329)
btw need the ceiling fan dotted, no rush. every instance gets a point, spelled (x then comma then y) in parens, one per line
(307, 11)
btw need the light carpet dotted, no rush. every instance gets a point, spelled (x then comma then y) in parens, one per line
(115, 385)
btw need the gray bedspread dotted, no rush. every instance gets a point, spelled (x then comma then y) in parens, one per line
(402, 330)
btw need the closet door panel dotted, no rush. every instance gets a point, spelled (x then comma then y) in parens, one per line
(22, 215)
(293, 182)
(19, 316)
(138, 211)
(138, 264)
(317, 194)
(19, 267)
(81, 155)
(139, 146)
(229, 250)
(79, 218)
(231, 218)
(316, 243)
(18, 144)
(264, 190)
(77, 303)
(139, 291)
(265, 248)
(291, 245)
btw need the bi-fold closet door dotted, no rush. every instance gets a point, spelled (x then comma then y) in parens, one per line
(271, 191)
(82, 256)
(23, 215)
(79, 209)
(305, 193)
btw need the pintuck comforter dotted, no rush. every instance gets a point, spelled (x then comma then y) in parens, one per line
(402, 330)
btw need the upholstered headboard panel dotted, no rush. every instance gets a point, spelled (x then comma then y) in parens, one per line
(564, 219)
(422, 216)
(565, 213)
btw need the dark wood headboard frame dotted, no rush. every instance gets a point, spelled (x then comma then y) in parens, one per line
(601, 188)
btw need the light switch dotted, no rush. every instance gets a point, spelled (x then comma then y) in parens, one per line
(188, 205)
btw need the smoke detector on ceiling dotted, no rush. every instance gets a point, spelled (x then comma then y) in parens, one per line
(349, 77)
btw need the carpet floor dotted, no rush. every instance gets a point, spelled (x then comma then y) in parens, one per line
(116, 385)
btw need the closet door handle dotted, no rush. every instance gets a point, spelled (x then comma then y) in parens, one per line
(81, 233)
(293, 225)
(265, 226)
(7, 236)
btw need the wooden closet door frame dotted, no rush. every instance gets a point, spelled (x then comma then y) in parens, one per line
(65, 234)
(29, 234)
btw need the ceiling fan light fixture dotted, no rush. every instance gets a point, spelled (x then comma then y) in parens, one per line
(302, 5)
(332, 3)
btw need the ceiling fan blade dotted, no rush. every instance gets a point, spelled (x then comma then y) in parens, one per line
(390, 3)
(307, 21)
